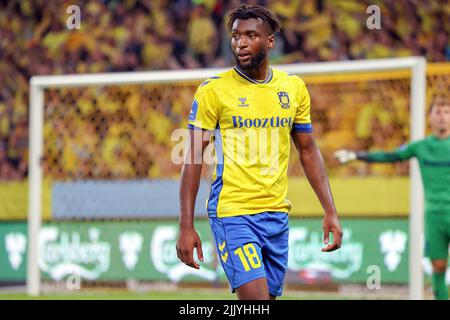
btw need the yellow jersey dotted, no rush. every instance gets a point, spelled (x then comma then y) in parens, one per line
(252, 121)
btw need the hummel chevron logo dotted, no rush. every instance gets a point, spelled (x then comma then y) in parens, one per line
(224, 257)
(222, 246)
(243, 102)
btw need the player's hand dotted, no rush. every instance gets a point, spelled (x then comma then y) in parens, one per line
(331, 224)
(188, 239)
(345, 156)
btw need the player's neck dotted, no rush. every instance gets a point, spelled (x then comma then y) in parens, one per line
(260, 73)
(442, 134)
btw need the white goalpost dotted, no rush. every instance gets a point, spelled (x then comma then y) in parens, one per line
(38, 84)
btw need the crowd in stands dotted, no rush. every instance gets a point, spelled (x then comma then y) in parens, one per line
(138, 35)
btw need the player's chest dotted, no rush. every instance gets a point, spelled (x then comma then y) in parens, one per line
(436, 154)
(258, 106)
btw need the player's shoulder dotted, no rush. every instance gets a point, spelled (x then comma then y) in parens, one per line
(288, 77)
(416, 144)
(216, 80)
(432, 140)
(424, 141)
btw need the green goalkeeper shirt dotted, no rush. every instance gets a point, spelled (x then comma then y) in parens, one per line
(433, 155)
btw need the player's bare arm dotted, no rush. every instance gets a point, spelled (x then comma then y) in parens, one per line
(188, 238)
(312, 163)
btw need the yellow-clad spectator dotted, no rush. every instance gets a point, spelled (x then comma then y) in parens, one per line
(286, 9)
(202, 35)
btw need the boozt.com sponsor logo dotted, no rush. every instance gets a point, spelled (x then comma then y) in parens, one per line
(274, 122)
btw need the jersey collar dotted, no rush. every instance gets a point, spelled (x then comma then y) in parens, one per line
(246, 77)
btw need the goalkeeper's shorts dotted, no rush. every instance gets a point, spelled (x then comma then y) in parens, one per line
(437, 235)
(252, 247)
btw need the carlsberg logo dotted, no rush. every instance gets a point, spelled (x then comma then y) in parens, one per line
(164, 256)
(305, 253)
(63, 253)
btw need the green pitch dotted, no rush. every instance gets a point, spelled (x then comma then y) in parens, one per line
(184, 294)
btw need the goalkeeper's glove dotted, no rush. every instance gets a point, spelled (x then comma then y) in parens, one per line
(345, 156)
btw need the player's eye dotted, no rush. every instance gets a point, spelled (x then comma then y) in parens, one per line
(235, 37)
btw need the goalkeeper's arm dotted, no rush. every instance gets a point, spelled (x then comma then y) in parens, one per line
(345, 156)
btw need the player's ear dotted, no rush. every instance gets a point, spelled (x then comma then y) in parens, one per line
(271, 40)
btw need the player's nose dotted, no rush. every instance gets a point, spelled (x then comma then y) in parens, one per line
(242, 43)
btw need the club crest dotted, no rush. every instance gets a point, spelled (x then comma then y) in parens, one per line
(283, 97)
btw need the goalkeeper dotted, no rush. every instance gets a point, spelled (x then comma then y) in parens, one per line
(433, 154)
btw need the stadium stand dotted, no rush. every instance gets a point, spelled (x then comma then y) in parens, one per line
(141, 35)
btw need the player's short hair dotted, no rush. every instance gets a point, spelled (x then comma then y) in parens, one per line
(254, 11)
(439, 100)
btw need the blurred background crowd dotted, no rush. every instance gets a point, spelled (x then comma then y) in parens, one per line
(131, 126)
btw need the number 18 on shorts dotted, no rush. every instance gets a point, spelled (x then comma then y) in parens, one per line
(253, 246)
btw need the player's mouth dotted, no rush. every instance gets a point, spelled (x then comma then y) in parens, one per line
(243, 56)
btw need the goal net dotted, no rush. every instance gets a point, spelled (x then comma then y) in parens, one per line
(104, 160)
